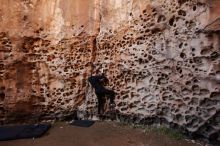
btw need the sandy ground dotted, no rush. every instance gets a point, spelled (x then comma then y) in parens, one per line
(100, 134)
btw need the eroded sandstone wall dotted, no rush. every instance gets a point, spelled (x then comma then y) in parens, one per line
(45, 50)
(162, 58)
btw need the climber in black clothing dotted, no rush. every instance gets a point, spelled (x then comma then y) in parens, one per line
(101, 91)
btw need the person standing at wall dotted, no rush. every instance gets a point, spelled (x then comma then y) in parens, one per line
(101, 92)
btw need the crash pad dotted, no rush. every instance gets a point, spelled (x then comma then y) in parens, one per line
(83, 123)
(23, 131)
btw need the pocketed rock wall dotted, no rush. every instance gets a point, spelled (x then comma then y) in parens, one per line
(162, 58)
(45, 50)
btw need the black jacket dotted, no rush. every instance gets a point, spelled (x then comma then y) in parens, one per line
(96, 83)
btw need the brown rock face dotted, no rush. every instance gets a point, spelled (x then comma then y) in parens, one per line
(162, 58)
(45, 50)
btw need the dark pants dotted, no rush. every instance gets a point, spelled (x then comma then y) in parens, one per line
(101, 98)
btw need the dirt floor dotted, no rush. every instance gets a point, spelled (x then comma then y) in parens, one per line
(100, 134)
